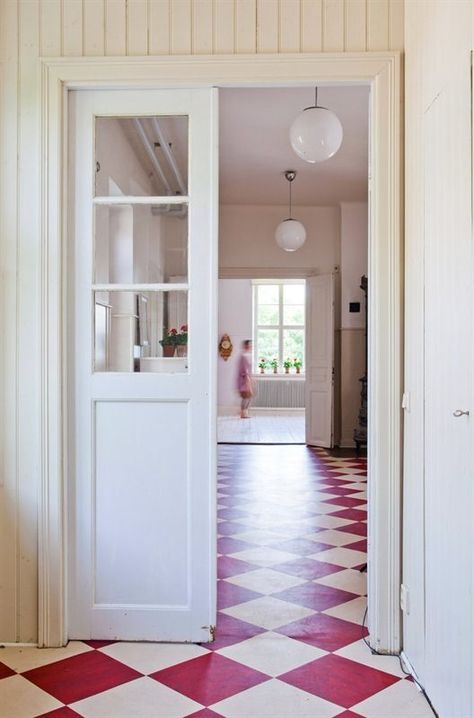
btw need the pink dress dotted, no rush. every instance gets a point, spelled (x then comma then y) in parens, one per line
(244, 373)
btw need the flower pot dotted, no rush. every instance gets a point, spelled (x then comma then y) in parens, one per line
(298, 369)
(182, 350)
(262, 371)
(275, 369)
(287, 370)
(168, 350)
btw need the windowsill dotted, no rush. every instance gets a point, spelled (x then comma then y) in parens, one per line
(280, 375)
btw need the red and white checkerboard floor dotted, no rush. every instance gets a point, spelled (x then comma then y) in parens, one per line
(292, 526)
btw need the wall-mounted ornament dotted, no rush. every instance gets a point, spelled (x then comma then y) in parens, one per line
(225, 347)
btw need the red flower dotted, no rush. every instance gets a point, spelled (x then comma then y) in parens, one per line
(184, 328)
(173, 331)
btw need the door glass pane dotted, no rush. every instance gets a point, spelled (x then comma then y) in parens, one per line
(267, 344)
(268, 314)
(268, 294)
(293, 294)
(141, 331)
(141, 244)
(141, 156)
(293, 344)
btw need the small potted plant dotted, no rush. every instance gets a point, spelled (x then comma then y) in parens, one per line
(287, 364)
(297, 363)
(262, 365)
(182, 341)
(169, 342)
(274, 364)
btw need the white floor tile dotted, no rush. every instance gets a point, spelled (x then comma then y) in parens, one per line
(352, 611)
(361, 653)
(264, 556)
(142, 698)
(268, 612)
(336, 538)
(341, 556)
(151, 657)
(400, 699)
(266, 581)
(21, 699)
(349, 580)
(272, 653)
(275, 699)
(330, 522)
(23, 659)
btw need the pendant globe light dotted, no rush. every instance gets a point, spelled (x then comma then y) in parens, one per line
(290, 234)
(316, 134)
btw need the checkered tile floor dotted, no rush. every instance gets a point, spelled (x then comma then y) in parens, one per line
(292, 525)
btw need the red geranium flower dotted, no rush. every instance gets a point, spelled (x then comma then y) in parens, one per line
(173, 331)
(184, 328)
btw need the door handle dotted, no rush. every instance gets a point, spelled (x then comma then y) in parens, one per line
(460, 412)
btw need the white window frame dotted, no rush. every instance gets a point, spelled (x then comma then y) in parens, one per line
(281, 326)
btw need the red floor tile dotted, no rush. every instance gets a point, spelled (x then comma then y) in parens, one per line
(63, 712)
(307, 568)
(301, 546)
(350, 514)
(228, 566)
(98, 644)
(358, 527)
(227, 544)
(5, 671)
(315, 596)
(205, 713)
(345, 501)
(210, 678)
(81, 676)
(339, 680)
(325, 632)
(358, 545)
(232, 630)
(228, 594)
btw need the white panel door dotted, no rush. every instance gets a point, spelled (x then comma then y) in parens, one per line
(143, 201)
(319, 385)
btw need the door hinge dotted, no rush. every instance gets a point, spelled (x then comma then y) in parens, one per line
(406, 401)
(212, 631)
(404, 599)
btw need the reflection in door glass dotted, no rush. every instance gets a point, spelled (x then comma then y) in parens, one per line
(141, 244)
(141, 156)
(141, 331)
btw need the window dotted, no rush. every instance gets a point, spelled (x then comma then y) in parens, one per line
(279, 320)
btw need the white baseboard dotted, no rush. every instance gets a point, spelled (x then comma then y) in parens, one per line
(259, 411)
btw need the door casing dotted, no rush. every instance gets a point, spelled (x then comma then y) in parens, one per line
(382, 72)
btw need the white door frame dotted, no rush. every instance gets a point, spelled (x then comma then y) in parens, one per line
(382, 72)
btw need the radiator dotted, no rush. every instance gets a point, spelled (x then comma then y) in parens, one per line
(279, 393)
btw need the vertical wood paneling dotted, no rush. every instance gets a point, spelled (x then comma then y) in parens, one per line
(245, 26)
(159, 34)
(355, 26)
(72, 28)
(29, 318)
(333, 25)
(267, 25)
(181, 20)
(377, 25)
(50, 28)
(115, 27)
(290, 26)
(9, 609)
(311, 25)
(224, 26)
(137, 27)
(94, 27)
(396, 21)
(202, 27)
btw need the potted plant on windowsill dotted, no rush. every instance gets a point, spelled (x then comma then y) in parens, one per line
(168, 343)
(262, 365)
(297, 363)
(182, 341)
(274, 365)
(287, 364)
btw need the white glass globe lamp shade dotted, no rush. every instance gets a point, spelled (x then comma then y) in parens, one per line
(316, 134)
(290, 235)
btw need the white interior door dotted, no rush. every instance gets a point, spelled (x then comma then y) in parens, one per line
(319, 385)
(143, 201)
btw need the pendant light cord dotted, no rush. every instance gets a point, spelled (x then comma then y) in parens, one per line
(315, 96)
(289, 182)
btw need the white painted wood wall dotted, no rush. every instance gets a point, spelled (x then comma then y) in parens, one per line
(33, 28)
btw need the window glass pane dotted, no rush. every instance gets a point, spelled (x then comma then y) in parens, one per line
(267, 344)
(137, 244)
(268, 294)
(140, 331)
(141, 156)
(293, 344)
(293, 314)
(268, 314)
(293, 294)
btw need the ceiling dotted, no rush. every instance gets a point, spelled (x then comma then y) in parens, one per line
(255, 149)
